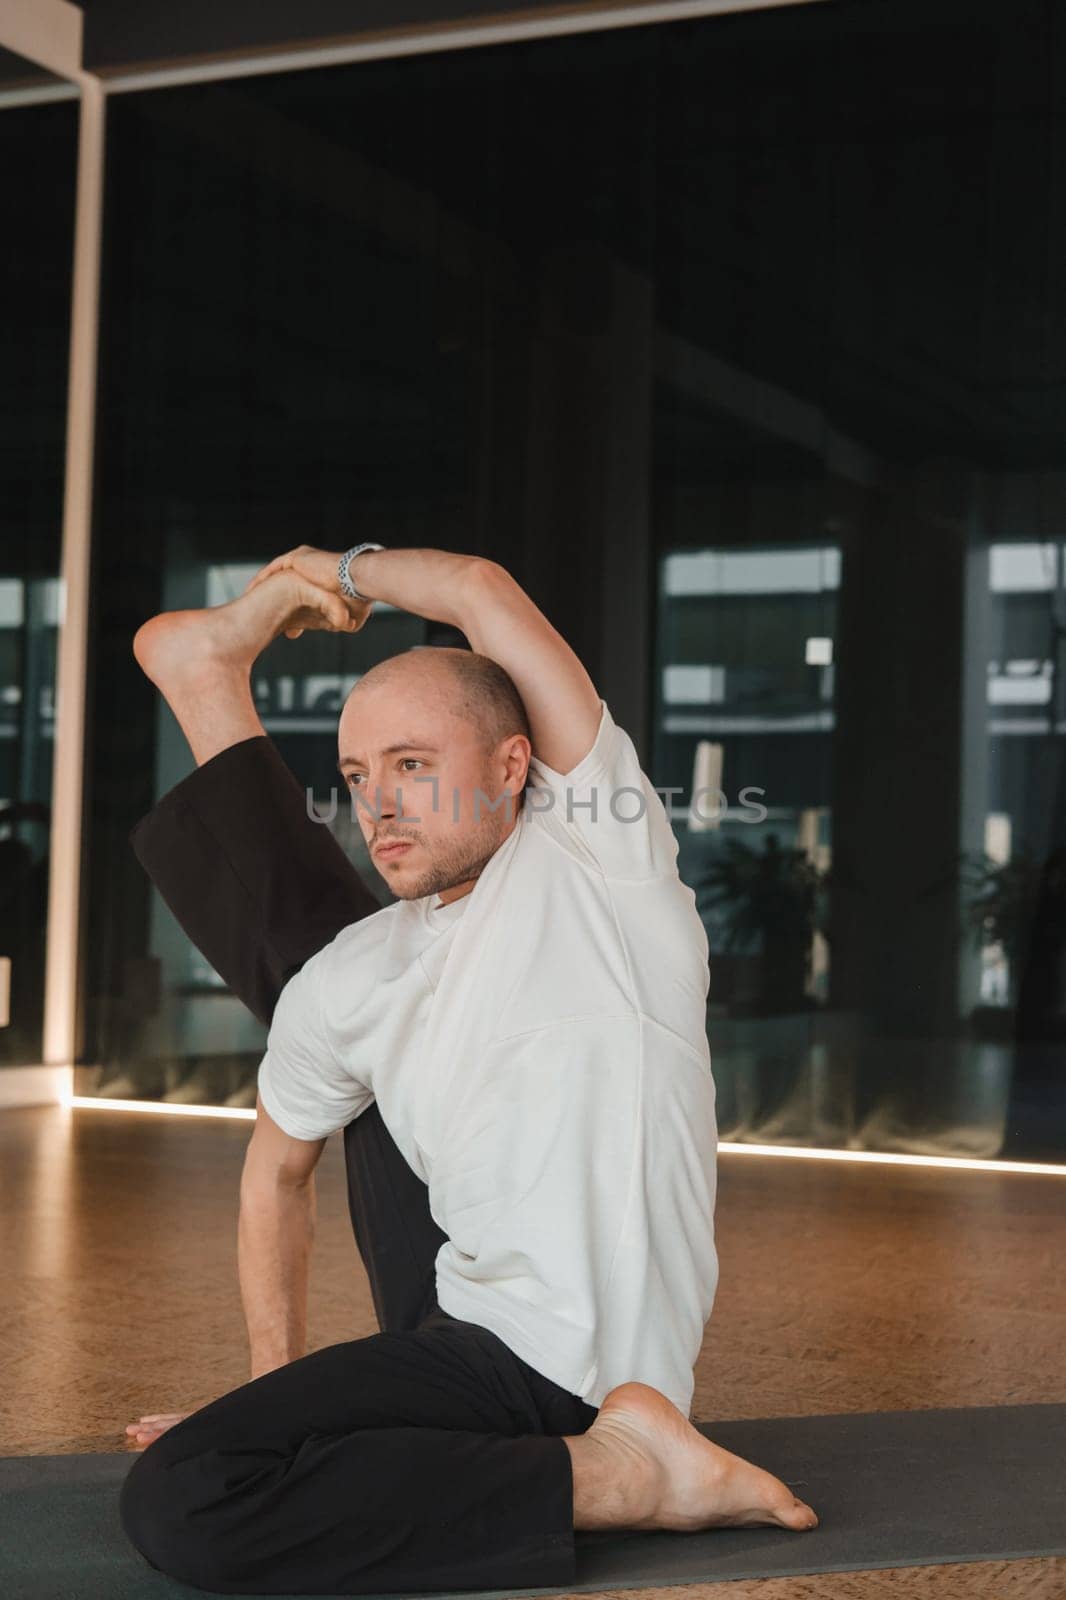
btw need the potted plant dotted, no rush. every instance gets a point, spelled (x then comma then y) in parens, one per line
(1020, 905)
(773, 897)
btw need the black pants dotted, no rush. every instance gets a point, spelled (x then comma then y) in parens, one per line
(425, 1457)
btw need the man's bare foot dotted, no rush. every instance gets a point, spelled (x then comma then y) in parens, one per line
(643, 1465)
(178, 643)
(149, 1428)
(201, 660)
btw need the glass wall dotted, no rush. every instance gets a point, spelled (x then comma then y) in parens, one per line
(861, 600)
(169, 1028)
(38, 156)
(738, 340)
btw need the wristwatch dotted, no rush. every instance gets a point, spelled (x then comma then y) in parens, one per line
(347, 586)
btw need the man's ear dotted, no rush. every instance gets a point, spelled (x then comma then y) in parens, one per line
(518, 756)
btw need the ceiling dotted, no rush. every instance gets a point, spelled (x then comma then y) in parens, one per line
(120, 35)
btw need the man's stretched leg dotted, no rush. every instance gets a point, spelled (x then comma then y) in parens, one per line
(258, 886)
(253, 879)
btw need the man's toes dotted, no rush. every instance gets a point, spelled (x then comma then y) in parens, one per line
(798, 1515)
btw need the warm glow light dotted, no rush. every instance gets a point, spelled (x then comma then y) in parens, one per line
(86, 1102)
(886, 1159)
(90, 1102)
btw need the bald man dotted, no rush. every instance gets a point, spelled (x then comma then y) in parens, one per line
(515, 1051)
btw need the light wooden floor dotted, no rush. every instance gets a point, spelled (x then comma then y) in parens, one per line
(844, 1287)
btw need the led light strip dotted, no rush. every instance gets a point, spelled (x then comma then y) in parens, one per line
(90, 1102)
(890, 1159)
(85, 1102)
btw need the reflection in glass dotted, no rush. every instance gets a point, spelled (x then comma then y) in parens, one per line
(173, 1031)
(738, 339)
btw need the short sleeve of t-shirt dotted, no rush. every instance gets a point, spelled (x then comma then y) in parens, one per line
(303, 1086)
(608, 806)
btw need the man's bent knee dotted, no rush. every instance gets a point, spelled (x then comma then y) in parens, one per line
(172, 1535)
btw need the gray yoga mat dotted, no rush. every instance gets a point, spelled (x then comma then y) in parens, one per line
(892, 1489)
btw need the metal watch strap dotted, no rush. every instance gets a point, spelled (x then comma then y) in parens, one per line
(347, 586)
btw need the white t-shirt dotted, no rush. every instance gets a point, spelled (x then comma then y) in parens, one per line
(538, 1050)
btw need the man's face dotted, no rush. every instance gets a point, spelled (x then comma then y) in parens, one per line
(434, 796)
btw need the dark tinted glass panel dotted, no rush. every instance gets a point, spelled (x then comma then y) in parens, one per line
(38, 157)
(739, 341)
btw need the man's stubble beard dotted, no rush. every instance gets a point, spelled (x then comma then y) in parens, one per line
(466, 860)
